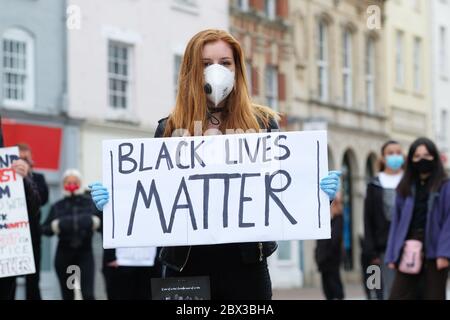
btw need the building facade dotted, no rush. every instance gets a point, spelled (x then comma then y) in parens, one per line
(440, 75)
(265, 32)
(127, 81)
(33, 97)
(408, 66)
(336, 82)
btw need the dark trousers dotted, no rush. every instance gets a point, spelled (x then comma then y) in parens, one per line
(83, 259)
(32, 290)
(129, 283)
(429, 284)
(7, 288)
(332, 284)
(248, 282)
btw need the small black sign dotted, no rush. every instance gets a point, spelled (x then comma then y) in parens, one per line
(190, 288)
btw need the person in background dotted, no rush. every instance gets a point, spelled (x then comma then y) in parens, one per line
(32, 291)
(73, 219)
(419, 237)
(21, 167)
(328, 254)
(378, 207)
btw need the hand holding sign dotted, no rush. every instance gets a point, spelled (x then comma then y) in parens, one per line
(99, 195)
(21, 167)
(330, 184)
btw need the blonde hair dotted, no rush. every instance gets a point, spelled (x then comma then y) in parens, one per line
(190, 103)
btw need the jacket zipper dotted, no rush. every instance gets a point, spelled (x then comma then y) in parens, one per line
(260, 246)
(187, 258)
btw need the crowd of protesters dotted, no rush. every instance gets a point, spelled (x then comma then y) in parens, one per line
(406, 211)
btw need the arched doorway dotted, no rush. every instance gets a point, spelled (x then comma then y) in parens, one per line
(371, 166)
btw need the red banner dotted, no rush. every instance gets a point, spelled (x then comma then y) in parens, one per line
(45, 142)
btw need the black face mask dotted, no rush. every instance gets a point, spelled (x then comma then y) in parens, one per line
(423, 166)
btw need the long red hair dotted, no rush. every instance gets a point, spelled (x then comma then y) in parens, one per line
(191, 99)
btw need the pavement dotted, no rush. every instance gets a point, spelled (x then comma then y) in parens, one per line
(352, 292)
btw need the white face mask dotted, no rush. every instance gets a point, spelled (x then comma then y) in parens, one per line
(219, 82)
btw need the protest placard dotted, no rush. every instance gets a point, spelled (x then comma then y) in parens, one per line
(136, 257)
(215, 189)
(16, 252)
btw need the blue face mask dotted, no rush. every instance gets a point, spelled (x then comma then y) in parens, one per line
(394, 161)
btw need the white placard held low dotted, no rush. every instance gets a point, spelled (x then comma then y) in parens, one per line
(136, 257)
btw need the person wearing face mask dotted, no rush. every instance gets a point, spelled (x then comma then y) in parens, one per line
(32, 291)
(73, 219)
(378, 206)
(419, 237)
(214, 97)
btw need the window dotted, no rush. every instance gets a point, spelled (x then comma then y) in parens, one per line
(243, 5)
(322, 61)
(417, 61)
(270, 9)
(399, 63)
(370, 74)
(119, 75)
(176, 72)
(347, 80)
(443, 51)
(272, 87)
(18, 69)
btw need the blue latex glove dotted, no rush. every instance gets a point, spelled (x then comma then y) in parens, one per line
(99, 194)
(330, 184)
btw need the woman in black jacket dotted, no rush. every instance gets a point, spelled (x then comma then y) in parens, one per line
(328, 254)
(21, 167)
(74, 219)
(213, 98)
(378, 207)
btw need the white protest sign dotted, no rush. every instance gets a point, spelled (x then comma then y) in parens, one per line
(215, 189)
(136, 257)
(16, 251)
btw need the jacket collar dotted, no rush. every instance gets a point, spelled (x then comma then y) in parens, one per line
(375, 182)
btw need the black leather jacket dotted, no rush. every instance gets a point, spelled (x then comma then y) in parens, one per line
(75, 222)
(176, 258)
